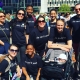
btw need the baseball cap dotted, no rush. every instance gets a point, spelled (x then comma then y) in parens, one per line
(62, 56)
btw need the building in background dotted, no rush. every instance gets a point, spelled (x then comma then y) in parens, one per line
(39, 5)
(56, 3)
(14, 5)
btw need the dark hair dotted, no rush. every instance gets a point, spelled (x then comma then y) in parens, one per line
(53, 10)
(13, 45)
(67, 14)
(36, 22)
(2, 12)
(29, 44)
(3, 56)
(77, 4)
(29, 5)
(21, 10)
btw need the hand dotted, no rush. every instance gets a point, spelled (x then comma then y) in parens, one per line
(19, 72)
(27, 78)
(1, 42)
(65, 49)
(44, 54)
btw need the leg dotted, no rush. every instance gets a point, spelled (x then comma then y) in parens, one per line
(75, 47)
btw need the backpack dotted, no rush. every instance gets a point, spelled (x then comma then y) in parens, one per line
(2, 57)
(9, 62)
(34, 18)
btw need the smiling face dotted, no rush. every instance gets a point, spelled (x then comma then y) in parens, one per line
(2, 17)
(53, 14)
(30, 50)
(29, 10)
(13, 51)
(60, 25)
(41, 22)
(20, 14)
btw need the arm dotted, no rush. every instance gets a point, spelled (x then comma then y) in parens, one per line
(27, 33)
(37, 78)
(25, 73)
(55, 45)
(18, 70)
(27, 38)
(1, 42)
(68, 45)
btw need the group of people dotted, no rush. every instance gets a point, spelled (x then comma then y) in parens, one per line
(31, 40)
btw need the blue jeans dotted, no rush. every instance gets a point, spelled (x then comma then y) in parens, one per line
(4, 48)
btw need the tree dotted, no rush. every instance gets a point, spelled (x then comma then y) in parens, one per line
(64, 8)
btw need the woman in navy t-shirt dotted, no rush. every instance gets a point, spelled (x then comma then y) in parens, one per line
(20, 32)
(60, 37)
(39, 35)
(4, 34)
(32, 64)
(53, 18)
(9, 64)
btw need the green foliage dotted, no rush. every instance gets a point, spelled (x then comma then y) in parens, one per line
(1, 9)
(64, 8)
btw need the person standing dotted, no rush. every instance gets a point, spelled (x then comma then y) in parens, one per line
(30, 18)
(53, 18)
(74, 25)
(20, 31)
(4, 34)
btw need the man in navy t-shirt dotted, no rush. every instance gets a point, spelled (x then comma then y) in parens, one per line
(74, 25)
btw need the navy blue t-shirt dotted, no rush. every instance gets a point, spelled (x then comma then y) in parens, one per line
(57, 37)
(74, 23)
(18, 32)
(39, 38)
(32, 64)
(5, 32)
(3, 66)
(31, 23)
(52, 24)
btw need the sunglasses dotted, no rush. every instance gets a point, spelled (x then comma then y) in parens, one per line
(77, 9)
(12, 50)
(2, 16)
(21, 14)
(41, 21)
